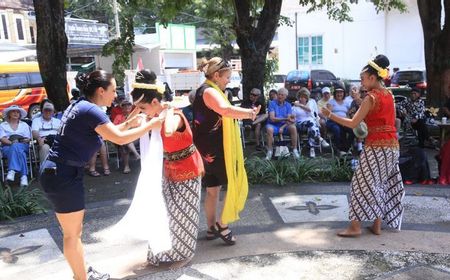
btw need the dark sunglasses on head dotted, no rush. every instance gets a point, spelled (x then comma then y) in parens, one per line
(224, 64)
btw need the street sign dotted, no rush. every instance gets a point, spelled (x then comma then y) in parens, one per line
(86, 32)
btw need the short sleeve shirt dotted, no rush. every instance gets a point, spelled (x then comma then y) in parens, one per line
(339, 109)
(45, 127)
(77, 139)
(23, 130)
(280, 110)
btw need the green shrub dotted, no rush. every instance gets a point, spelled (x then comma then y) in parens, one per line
(305, 170)
(341, 170)
(19, 203)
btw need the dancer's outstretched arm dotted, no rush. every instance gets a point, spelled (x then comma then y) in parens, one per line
(215, 102)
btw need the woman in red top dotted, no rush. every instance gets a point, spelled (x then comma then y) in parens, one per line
(183, 168)
(376, 189)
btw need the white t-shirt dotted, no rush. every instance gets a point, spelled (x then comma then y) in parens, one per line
(45, 127)
(23, 130)
(302, 115)
(339, 109)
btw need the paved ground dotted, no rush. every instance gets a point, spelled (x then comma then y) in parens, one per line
(284, 233)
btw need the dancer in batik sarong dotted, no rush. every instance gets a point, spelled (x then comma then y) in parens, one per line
(376, 188)
(183, 168)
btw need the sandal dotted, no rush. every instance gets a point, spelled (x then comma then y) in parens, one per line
(126, 170)
(227, 238)
(106, 172)
(94, 173)
(210, 235)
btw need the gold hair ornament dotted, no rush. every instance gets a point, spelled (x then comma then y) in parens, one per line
(158, 88)
(382, 73)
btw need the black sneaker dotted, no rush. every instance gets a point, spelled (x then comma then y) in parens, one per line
(95, 275)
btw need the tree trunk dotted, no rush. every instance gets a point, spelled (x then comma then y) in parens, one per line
(437, 49)
(254, 42)
(51, 49)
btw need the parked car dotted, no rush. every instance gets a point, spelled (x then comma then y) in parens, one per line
(298, 79)
(410, 78)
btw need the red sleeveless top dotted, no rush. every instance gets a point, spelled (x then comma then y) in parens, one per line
(182, 161)
(381, 120)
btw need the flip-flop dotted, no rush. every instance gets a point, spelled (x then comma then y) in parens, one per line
(106, 172)
(93, 173)
(126, 171)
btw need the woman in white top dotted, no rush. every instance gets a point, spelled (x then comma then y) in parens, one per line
(342, 136)
(306, 120)
(15, 136)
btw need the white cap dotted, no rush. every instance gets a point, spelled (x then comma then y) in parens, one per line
(326, 89)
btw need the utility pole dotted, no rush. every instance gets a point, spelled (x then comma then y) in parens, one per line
(116, 18)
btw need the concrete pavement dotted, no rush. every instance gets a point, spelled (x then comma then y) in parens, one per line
(284, 233)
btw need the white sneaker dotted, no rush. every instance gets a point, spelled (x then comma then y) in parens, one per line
(324, 143)
(269, 155)
(312, 153)
(295, 153)
(10, 176)
(24, 181)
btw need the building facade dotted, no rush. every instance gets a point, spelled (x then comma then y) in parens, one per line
(316, 42)
(17, 22)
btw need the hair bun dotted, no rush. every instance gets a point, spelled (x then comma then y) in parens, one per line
(382, 61)
(146, 77)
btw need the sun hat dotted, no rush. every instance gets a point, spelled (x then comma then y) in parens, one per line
(360, 130)
(6, 111)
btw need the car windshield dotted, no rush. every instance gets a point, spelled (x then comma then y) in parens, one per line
(297, 75)
(408, 76)
(279, 78)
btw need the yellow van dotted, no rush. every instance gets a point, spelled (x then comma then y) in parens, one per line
(21, 84)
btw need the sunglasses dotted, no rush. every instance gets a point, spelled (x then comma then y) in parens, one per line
(224, 64)
(254, 94)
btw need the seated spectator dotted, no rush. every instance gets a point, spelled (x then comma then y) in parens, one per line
(357, 98)
(342, 136)
(15, 136)
(126, 149)
(253, 102)
(116, 109)
(415, 111)
(326, 97)
(44, 129)
(312, 103)
(273, 94)
(349, 98)
(280, 115)
(305, 118)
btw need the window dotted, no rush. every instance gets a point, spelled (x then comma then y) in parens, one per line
(3, 28)
(32, 35)
(3, 84)
(303, 50)
(19, 26)
(35, 80)
(310, 50)
(16, 80)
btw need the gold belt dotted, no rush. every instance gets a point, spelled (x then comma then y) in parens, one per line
(181, 154)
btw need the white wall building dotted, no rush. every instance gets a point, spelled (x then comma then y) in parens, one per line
(344, 48)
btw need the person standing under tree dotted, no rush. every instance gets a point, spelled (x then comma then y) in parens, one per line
(376, 188)
(217, 137)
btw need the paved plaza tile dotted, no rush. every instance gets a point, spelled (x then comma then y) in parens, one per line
(26, 252)
(311, 208)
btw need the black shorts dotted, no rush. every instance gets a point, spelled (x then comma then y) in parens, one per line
(63, 186)
(215, 173)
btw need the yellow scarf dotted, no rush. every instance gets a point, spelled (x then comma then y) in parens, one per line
(234, 163)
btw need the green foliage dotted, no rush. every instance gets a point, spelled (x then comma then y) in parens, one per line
(19, 203)
(270, 69)
(339, 10)
(285, 170)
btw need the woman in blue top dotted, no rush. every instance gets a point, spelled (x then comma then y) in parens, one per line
(342, 136)
(84, 125)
